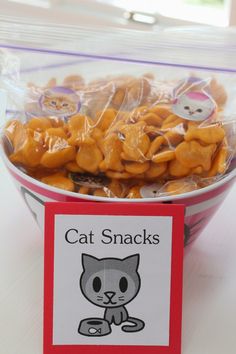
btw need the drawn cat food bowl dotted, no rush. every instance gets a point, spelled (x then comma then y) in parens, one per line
(200, 204)
(94, 327)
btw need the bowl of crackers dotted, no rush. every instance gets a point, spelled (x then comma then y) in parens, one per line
(124, 139)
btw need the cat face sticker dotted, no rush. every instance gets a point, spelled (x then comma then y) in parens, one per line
(195, 106)
(60, 101)
(150, 191)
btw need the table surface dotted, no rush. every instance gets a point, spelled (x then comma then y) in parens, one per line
(209, 303)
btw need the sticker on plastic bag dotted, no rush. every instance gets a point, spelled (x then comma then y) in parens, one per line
(60, 101)
(195, 106)
(193, 99)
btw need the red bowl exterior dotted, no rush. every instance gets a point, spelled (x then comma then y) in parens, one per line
(200, 207)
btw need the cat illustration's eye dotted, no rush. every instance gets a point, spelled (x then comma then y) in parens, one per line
(123, 284)
(65, 105)
(53, 103)
(199, 110)
(186, 107)
(97, 284)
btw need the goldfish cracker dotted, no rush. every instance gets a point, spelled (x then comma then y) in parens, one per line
(138, 177)
(19, 135)
(29, 148)
(218, 92)
(51, 83)
(118, 175)
(83, 190)
(192, 154)
(39, 123)
(118, 98)
(73, 167)
(116, 126)
(172, 124)
(137, 113)
(105, 119)
(180, 186)
(172, 138)
(130, 90)
(197, 170)
(136, 168)
(116, 188)
(123, 117)
(219, 163)
(98, 136)
(155, 146)
(170, 118)
(164, 156)
(208, 135)
(155, 170)
(192, 125)
(55, 136)
(74, 81)
(57, 122)
(138, 89)
(80, 128)
(58, 132)
(161, 111)
(151, 131)
(134, 193)
(13, 127)
(176, 169)
(58, 155)
(101, 192)
(39, 172)
(111, 147)
(89, 157)
(136, 143)
(152, 119)
(58, 180)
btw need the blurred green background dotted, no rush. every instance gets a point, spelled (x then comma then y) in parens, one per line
(206, 2)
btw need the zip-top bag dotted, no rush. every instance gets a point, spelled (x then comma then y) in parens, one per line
(119, 114)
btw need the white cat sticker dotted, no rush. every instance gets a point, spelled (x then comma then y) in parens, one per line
(195, 106)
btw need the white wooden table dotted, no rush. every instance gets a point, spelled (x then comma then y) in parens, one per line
(209, 310)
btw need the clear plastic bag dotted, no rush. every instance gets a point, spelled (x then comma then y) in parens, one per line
(125, 117)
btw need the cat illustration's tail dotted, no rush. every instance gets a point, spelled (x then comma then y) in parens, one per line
(137, 325)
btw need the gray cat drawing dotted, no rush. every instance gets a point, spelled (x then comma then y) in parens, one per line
(112, 283)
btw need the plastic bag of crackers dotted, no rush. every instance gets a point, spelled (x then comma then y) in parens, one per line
(124, 136)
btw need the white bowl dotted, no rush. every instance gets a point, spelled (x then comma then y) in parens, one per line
(200, 204)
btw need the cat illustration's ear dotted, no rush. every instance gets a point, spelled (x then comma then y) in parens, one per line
(89, 262)
(132, 262)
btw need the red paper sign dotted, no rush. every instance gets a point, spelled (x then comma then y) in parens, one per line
(113, 278)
